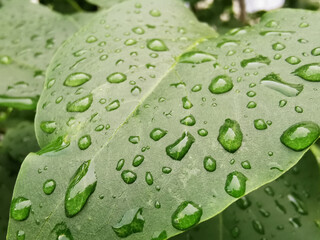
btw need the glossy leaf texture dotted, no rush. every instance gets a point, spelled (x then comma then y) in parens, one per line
(26, 48)
(287, 208)
(148, 130)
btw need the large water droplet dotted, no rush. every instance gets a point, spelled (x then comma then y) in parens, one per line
(84, 142)
(256, 62)
(81, 186)
(157, 133)
(180, 147)
(77, 79)
(274, 82)
(48, 126)
(157, 45)
(80, 105)
(20, 208)
(209, 164)
(49, 186)
(196, 57)
(116, 77)
(131, 222)
(188, 120)
(230, 135)
(128, 176)
(309, 72)
(236, 184)
(300, 135)
(186, 215)
(221, 84)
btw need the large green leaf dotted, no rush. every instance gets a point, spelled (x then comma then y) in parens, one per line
(106, 3)
(287, 208)
(164, 118)
(30, 34)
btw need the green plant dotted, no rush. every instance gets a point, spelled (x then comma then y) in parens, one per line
(150, 123)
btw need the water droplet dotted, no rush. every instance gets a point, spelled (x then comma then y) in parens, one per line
(197, 88)
(157, 133)
(300, 135)
(155, 13)
(20, 208)
(309, 72)
(221, 84)
(131, 222)
(187, 215)
(149, 178)
(258, 227)
(251, 94)
(49, 186)
(295, 222)
(256, 62)
(113, 106)
(316, 51)
(269, 191)
(282, 103)
(297, 203)
(230, 135)
(203, 132)
(228, 43)
(246, 165)
(120, 164)
(5, 60)
(293, 60)
(196, 57)
(235, 232)
(130, 42)
(138, 30)
(159, 236)
(84, 142)
(91, 39)
(298, 109)
(180, 147)
(188, 120)
(276, 33)
(303, 25)
(134, 139)
(128, 176)
(244, 202)
(277, 56)
(62, 232)
(166, 170)
(157, 45)
(272, 24)
(21, 103)
(48, 126)
(82, 184)
(137, 160)
(116, 77)
(77, 79)
(103, 57)
(209, 164)
(21, 235)
(260, 124)
(186, 103)
(236, 184)
(251, 105)
(136, 91)
(80, 105)
(278, 46)
(55, 146)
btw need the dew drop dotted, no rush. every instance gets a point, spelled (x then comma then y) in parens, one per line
(297, 203)
(134, 139)
(166, 170)
(91, 39)
(62, 232)
(138, 30)
(236, 184)
(203, 132)
(316, 51)
(244, 202)
(21, 235)
(128, 176)
(230, 135)
(258, 227)
(155, 13)
(5, 60)
(77, 79)
(278, 46)
(221, 84)
(188, 120)
(157, 45)
(120, 164)
(196, 57)
(80, 105)
(260, 124)
(130, 42)
(180, 147)
(246, 165)
(282, 103)
(293, 60)
(138, 160)
(48, 126)
(157, 133)
(251, 105)
(49, 186)
(84, 142)
(159, 236)
(149, 178)
(196, 88)
(298, 109)
(187, 215)
(113, 106)
(186, 103)
(309, 72)
(116, 77)
(20, 208)
(209, 164)
(55, 146)
(256, 62)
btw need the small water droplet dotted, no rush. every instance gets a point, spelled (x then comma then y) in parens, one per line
(309, 72)
(268, 190)
(116, 77)
(246, 165)
(128, 176)
(221, 84)
(82, 184)
(297, 203)
(134, 139)
(186, 103)
(256, 62)
(298, 109)
(48, 126)
(84, 142)
(272, 24)
(300, 135)
(251, 94)
(209, 164)
(244, 202)
(159, 236)
(282, 103)
(293, 60)
(236, 184)
(303, 25)
(196, 88)
(258, 227)
(120, 164)
(251, 105)
(62, 232)
(80, 105)
(113, 106)
(196, 57)
(187, 215)
(21, 235)
(295, 222)
(138, 30)
(316, 51)
(155, 13)
(77, 79)
(91, 39)
(20, 208)
(136, 91)
(138, 160)
(203, 132)
(180, 147)
(157, 133)
(230, 135)
(260, 124)
(278, 46)
(131, 222)
(5, 60)
(149, 178)
(157, 45)
(49, 186)
(188, 120)
(166, 170)
(130, 42)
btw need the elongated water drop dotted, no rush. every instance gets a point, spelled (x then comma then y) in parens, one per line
(180, 147)
(113, 106)
(80, 105)
(244, 202)
(120, 164)
(186, 215)
(230, 135)
(196, 57)
(256, 62)
(116, 77)
(274, 82)
(258, 227)
(77, 79)
(236, 184)
(221, 84)
(188, 120)
(149, 178)
(49, 186)
(309, 72)
(300, 135)
(48, 126)
(81, 186)
(131, 222)
(297, 203)
(20, 208)
(157, 133)
(138, 160)
(209, 164)
(157, 45)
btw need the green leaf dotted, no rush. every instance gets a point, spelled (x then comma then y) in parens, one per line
(140, 86)
(105, 3)
(29, 37)
(287, 208)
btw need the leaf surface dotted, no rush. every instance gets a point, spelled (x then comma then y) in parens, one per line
(141, 141)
